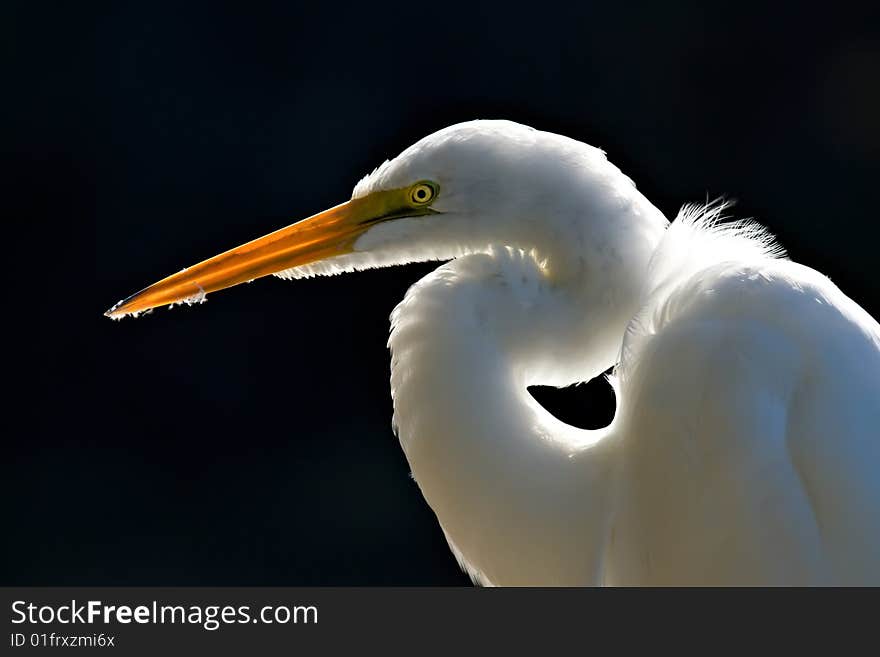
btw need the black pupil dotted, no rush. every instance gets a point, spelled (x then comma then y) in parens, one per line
(421, 194)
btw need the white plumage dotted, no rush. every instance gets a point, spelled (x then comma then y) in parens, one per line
(745, 446)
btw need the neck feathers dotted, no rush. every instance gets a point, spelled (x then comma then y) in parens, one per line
(697, 242)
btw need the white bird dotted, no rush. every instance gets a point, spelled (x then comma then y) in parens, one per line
(745, 448)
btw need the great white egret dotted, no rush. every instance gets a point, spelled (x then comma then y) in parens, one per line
(745, 448)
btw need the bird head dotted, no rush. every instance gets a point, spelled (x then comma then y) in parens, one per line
(460, 190)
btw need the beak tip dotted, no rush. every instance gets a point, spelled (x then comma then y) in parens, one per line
(115, 312)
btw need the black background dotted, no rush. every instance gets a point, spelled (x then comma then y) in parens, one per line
(248, 440)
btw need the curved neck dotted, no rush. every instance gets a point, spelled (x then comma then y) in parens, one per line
(522, 497)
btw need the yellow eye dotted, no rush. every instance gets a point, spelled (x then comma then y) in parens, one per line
(422, 193)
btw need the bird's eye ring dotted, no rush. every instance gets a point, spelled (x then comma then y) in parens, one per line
(422, 193)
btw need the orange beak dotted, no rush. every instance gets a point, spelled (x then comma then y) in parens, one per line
(324, 235)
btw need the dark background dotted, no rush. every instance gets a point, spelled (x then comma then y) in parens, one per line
(248, 441)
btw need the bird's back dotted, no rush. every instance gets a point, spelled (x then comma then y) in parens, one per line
(750, 428)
